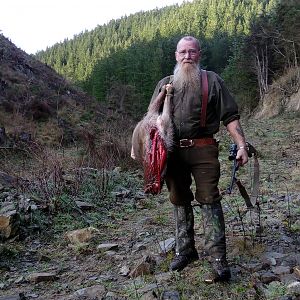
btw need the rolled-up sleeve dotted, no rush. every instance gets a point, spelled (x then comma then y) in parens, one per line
(227, 105)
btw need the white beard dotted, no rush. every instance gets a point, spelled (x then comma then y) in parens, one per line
(186, 76)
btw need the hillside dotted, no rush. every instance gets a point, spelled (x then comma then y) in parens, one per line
(46, 106)
(249, 43)
(35, 96)
(135, 51)
(283, 96)
(74, 220)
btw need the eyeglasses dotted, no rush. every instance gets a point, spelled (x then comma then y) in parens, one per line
(191, 52)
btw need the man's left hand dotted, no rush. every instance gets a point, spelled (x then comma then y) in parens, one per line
(242, 156)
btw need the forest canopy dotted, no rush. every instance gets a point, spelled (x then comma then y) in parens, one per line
(249, 42)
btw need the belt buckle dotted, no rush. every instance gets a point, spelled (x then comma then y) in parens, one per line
(185, 143)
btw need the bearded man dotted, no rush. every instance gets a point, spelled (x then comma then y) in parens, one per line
(195, 155)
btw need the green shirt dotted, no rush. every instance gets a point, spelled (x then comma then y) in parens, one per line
(186, 108)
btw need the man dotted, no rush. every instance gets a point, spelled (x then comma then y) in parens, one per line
(195, 153)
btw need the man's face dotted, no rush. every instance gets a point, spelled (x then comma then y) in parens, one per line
(187, 53)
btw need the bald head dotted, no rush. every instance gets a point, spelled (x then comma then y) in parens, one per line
(189, 39)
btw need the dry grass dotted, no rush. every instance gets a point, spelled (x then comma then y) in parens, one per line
(282, 95)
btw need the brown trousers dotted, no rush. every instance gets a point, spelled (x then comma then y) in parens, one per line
(202, 163)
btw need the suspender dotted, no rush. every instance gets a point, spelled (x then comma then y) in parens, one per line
(204, 83)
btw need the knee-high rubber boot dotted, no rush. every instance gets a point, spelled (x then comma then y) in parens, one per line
(215, 242)
(185, 243)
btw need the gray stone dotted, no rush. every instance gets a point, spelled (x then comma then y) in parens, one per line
(255, 267)
(8, 208)
(19, 279)
(93, 292)
(144, 266)
(148, 288)
(271, 261)
(43, 276)
(140, 195)
(32, 295)
(84, 205)
(122, 193)
(107, 247)
(292, 260)
(163, 277)
(286, 239)
(167, 245)
(124, 271)
(294, 288)
(110, 253)
(170, 295)
(268, 277)
(139, 246)
(13, 297)
(7, 180)
(110, 295)
(107, 277)
(144, 221)
(288, 278)
(281, 270)
(275, 255)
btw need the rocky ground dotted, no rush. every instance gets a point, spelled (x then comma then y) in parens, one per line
(123, 247)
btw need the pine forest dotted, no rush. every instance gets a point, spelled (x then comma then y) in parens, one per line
(248, 42)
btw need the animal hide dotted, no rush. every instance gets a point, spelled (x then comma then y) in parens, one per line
(152, 139)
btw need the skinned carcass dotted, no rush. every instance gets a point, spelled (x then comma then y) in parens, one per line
(152, 139)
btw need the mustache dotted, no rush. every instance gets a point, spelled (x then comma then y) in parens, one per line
(187, 75)
(193, 67)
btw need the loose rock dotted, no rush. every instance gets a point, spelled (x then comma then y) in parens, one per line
(39, 277)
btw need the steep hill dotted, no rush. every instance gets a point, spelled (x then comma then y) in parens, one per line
(44, 110)
(35, 97)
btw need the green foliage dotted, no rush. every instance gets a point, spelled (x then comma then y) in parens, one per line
(275, 290)
(239, 78)
(8, 252)
(132, 53)
(65, 221)
(101, 189)
(120, 62)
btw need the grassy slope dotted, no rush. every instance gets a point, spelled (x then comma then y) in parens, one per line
(129, 219)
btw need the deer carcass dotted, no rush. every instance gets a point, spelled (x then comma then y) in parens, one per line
(152, 139)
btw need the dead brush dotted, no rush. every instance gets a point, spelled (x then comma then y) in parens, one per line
(107, 150)
(47, 180)
(245, 223)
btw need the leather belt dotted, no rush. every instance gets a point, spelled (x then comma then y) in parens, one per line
(187, 143)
